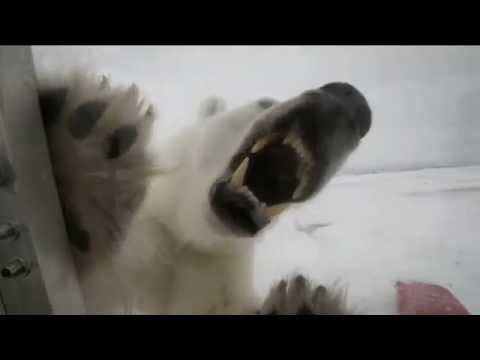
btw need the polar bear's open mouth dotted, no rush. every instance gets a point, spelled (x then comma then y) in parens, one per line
(271, 174)
(291, 152)
(283, 162)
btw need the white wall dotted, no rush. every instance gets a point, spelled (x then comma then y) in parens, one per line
(424, 99)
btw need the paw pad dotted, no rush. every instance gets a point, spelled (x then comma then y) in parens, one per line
(297, 296)
(84, 118)
(120, 141)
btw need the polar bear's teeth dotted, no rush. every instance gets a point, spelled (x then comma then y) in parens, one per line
(239, 174)
(268, 211)
(300, 189)
(296, 143)
(275, 210)
(260, 144)
(290, 139)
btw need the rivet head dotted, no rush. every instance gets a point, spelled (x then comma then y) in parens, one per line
(15, 268)
(8, 231)
(7, 174)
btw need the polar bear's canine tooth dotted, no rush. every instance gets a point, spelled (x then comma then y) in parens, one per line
(237, 179)
(239, 175)
(264, 141)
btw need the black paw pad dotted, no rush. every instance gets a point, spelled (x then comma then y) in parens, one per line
(120, 141)
(82, 121)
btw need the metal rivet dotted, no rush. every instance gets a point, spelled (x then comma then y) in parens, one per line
(15, 268)
(7, 174)
(8, 231)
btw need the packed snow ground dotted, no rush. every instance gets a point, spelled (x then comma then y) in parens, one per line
(368, 231)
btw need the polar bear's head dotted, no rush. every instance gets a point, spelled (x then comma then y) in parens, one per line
(245, 166)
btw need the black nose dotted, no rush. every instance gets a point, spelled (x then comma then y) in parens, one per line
(355, 102)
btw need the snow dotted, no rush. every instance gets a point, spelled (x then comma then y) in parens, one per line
(381, 228)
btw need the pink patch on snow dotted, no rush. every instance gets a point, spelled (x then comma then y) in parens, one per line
(427, 299)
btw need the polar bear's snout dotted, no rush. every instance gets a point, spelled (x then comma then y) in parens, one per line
(291, 152)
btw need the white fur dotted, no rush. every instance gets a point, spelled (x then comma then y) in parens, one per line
(171, 255)
(197, 267)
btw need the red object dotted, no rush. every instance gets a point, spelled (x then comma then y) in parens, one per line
(427, 299)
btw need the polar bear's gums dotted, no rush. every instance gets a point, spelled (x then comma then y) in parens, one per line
(180, 239)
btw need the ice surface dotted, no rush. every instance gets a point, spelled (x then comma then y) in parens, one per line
(380, 228)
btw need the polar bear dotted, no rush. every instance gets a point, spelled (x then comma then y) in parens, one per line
(152, 236)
